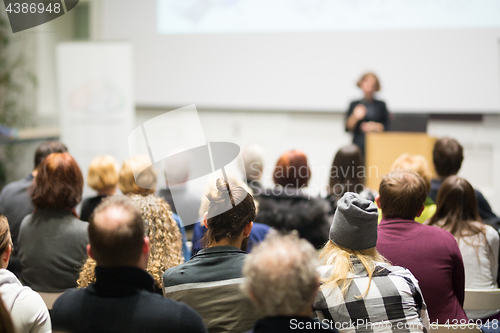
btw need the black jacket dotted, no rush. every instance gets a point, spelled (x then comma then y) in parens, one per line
(289, 209)
(376, 111)
(89, 205)
(121, 300)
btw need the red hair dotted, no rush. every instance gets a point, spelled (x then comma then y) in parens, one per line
(292, 170)
(58, 183)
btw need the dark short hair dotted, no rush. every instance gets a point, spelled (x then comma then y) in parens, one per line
(46, 148)
(230, 209)
(58, 183)
(292, 169)
(447, 156)
(121, 246)
(402, 194)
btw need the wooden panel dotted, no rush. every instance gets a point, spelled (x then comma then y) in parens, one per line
(382, 149)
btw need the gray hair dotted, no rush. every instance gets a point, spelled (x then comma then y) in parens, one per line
(253, 161)
(281, 274)
(176, 168)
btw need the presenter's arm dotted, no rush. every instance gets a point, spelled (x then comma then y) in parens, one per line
(356, 113)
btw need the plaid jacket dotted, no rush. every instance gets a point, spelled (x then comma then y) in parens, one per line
(394, 302)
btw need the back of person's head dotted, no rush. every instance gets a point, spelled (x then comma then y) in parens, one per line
(46, 148)
(116, 233)
(402, 194)
(457, 207)
(347, 173)
(447, 156)
(253, 162)
(353, 234)
(416, 163)
(177, 168)
(58, 184)
(103, 173)
(211, 186)
(281, 276)
(5, 237)
(230, 209)
(137, 176)
(292, 170)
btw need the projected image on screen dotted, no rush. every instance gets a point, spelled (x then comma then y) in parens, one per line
(248, 16)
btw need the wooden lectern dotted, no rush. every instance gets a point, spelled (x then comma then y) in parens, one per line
(382, 149)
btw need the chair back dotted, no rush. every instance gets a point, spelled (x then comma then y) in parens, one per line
(482, 299)
(49, 298)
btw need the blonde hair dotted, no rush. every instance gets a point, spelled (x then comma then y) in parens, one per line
(416, 163)
(103, 173)
(164, 235)
(146, 176)
(342, 261)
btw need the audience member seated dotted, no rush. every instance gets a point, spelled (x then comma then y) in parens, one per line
(147, 179)
(457, 213)
(164, 237)
(259, 230)
(121, 299)
(430, 253)
(287, 207)
(257, 235)
(27, 309)
(360, 289)
(52, 240)
(253, 167)
(418, 164)
(15, 200)
(177, 189)
(103, 178)
(282, 281)
(348, 174)
(447, 156)
(210, 281)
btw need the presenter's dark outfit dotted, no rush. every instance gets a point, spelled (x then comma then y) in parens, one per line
(375, 111)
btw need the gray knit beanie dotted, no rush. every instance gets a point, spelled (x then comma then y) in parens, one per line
(355, 223)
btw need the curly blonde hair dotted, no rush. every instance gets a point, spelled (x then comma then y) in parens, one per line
(164, 235)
